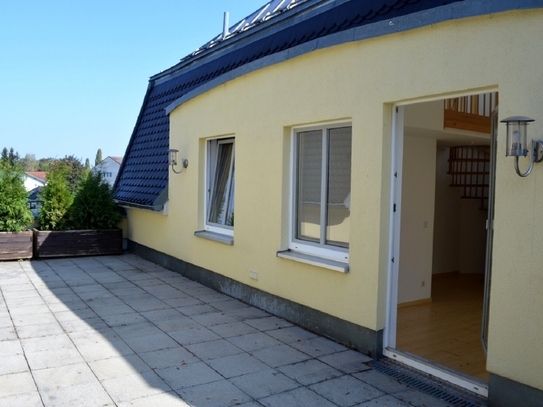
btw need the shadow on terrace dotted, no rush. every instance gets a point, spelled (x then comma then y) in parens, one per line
(119, 330)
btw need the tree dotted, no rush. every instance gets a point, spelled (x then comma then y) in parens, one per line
(15, 214)
(45, 163)
(56, 198)
(30, 163)
(98, 159)
(11, 157)
(87, 164)
(76, 171)
(93, 206)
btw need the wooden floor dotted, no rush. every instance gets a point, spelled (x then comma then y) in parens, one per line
(447, 330)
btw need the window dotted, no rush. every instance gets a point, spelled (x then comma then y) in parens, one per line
(322, 192)
(220, 186)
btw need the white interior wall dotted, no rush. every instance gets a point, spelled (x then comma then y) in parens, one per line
(447, 218)
(459, 227)
(472, 247)
(418, 193)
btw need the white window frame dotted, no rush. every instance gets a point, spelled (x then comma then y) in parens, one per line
(335, 253)
(212, 145)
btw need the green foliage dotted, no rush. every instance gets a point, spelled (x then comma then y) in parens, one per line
(30, 163)
(76, 171)
(56, 198)
(15, 215)
(45, 163)
(98, 158)
(10, 157)
(93, 206)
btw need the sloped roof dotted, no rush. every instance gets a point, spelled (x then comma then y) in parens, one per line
(39, 175)
(34, 194)
(277, 27)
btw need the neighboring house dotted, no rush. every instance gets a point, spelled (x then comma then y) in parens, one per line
(34, 202)
(109, 167)
(34, 179)
(344, 156)
(34, 182)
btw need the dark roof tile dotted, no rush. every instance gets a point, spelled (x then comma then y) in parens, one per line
(144, 173)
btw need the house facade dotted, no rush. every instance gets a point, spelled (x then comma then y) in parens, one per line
(109, 167)
(347, 167)
(35, 179)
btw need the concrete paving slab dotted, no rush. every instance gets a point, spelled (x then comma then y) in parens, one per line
(32, 399)
(291, 334)
(268, 323)
(213, 349)
(298, 397)
(15, 363)
(416, 398)
(237, 365)
(167, 399)
(120, 366)
(348, 361)
(63, 376)
(254, 341)
(149, 343)
(381, 381)
(216, 394)
(16, 383)
(317, 347)
(81, 395)
(50, 342)
(281, 355)
(346, 391)
(122, 331)
(165, 358)
(231, 329)
(53, 358)
(310, 372)
(384, 401)
(136, 386)
(189, 375)
(11, 347)
(8, 333)
(196, 334)
(264, 383)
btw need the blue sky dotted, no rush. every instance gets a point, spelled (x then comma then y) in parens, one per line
(73, 73)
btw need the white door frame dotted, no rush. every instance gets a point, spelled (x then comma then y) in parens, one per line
(389, 335)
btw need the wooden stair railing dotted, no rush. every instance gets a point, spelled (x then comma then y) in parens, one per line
(470, 112)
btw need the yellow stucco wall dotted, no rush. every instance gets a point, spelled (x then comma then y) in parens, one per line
(359, 82)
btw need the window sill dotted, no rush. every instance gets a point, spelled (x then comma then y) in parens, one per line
(217, 237)
(314, 261)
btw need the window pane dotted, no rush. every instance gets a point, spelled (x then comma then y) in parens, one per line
(229, 221)
(221, 203)
(309, 185)
(339, 187)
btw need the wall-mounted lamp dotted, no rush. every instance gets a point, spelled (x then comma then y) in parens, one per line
(172, 161)
(517, 144)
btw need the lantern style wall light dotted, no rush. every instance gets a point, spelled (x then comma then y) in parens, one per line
(172, 161)
(517, 143)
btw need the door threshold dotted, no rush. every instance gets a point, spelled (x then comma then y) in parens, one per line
(471, 384)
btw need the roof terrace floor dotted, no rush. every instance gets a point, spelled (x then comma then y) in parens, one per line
(121, 331)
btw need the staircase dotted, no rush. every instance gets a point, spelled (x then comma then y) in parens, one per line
(469, 167)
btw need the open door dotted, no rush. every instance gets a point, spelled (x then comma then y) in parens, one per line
(440, 242)
(490, 231)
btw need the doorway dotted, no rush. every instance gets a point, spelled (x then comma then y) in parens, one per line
(442, 203)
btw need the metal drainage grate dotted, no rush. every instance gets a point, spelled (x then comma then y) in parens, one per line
(432, 386)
